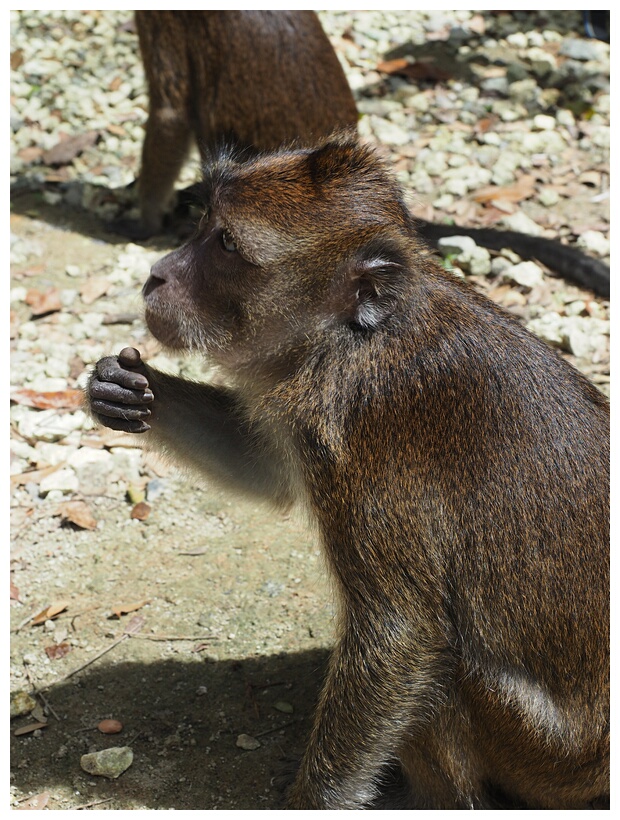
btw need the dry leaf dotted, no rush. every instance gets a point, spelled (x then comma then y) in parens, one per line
(37, 801)
(78, 513)
(117, 611)
(117, 130)
(30, 154)
(393, 66)
(425, 69)
(33, 270)
(49, 400)
(141, 511)
(59, 175)
(504, 205)
(522, 189)
(41, 303)
(93, 288)
(483, 125)
(48, 614)
(14, 592)
(17, 58)
(33, 475)
(31, 727)
(65, 151)
(57, 651)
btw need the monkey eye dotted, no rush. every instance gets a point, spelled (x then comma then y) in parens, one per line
(228, 242)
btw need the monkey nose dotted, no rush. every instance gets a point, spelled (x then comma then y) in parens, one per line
(151, 284)
(156, 278)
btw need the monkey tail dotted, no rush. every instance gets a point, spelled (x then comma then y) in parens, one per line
(568, 262)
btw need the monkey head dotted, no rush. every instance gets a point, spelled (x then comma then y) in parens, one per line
(291, 245)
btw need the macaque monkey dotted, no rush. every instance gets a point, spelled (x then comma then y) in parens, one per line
(255, 78)
(259, 79)
(456, 468)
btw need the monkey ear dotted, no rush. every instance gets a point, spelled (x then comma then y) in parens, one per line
(372, 287)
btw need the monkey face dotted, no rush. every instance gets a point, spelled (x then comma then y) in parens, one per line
(196, 297)
(283, 255)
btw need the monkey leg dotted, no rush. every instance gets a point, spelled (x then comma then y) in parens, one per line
(166, 143)
(373, 695)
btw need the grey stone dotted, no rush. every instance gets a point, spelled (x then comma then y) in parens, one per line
(110, 763)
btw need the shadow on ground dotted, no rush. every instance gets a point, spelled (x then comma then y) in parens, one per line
(182, 721)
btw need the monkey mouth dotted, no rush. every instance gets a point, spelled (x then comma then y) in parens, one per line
(165, 329)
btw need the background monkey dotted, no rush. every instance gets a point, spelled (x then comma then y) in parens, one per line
(259, 79)
(457, 469)
(256, 78)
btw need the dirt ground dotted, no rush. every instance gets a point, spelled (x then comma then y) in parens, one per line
(237, 621)
(230, 602)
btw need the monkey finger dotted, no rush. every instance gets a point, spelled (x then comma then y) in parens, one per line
(109, 370)
(129, 357)
(110, 391)
(126, 425)
(119, 411)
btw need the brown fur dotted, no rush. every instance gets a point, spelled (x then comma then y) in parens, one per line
(256, 78)
(456, 466)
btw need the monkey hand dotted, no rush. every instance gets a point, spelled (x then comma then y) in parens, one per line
(119, 392)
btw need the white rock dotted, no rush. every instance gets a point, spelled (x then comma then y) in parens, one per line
(50, 425)
(543, 122)
(64, 481)
(480, 262)
(548, 197)
(44, 384)
(433, 162)
(49, 455)
(127, 464)
(18, 294)
(388, 132)
(594, 242)
(522, 223)
(543, 142)
(93, 469)
(461, 246)
(526, 274)
(248, 743)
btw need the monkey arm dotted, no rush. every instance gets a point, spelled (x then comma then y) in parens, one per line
(203, 425)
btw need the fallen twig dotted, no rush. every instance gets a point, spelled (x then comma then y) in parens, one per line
(134, 626)
(176, 637)
(275, 729)
(92, 803)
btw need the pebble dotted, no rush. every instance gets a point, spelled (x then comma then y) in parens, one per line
(522, 223)
(527, 274)
(248, 743)
(64, 481)
(93, 469)
(594, 242)
(21, 704)
(48, 425)
(109, 726)
(283, 706)
(110, 763)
